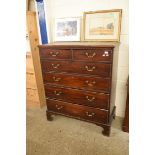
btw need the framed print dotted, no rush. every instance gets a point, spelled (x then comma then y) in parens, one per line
(67, 29)
(102, 25)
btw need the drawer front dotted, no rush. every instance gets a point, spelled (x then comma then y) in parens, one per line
(55, 53)
(78, 111)
(92, 99)
(102, 69)
(77, 81)
(93, 55)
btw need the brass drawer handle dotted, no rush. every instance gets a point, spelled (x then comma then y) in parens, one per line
(58, 107)
(105, 54)
(90, 83)
(90, 114)
(90, 99)
(55, 66)
(90, 56)
(54, 54)
(90, 69)
(56, 79)
(57, 93)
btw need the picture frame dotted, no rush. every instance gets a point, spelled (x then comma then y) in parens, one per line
(67, 29)
(102, 25)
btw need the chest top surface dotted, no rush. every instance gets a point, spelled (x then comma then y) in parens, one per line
(76, 45)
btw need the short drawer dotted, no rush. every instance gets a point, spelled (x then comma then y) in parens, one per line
(78, 81)
(92, 99)
(99, 68)
(78, 111)
(55, 53)
(93, 54)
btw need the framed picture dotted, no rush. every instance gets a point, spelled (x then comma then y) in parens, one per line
(67, 29)
(102, 25)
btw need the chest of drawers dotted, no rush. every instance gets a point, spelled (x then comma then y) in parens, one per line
(77, 82)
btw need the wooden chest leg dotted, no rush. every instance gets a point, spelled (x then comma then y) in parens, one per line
(106, 130)
(49, 115)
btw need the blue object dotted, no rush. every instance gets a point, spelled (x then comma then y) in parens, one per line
(42, 21)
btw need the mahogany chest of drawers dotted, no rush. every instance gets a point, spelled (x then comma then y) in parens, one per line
(77, 82)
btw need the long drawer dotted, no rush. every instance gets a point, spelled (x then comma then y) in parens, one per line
(98, 68)
(79, 111)
(88, 98)
(55, 53)
(93, 54)
(78, 81)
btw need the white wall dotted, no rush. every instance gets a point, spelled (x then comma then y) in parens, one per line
(73, 8)
(48, 16)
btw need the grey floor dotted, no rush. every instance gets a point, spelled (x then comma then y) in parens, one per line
(66, 136)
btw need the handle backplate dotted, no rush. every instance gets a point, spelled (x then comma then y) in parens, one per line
(55, 79)
(55, 66)
(90, 56)
(89, 83)
(90, 69)
(54, 54)
(58, 107)
(90, 99)
(57, 93)
(90, 114)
